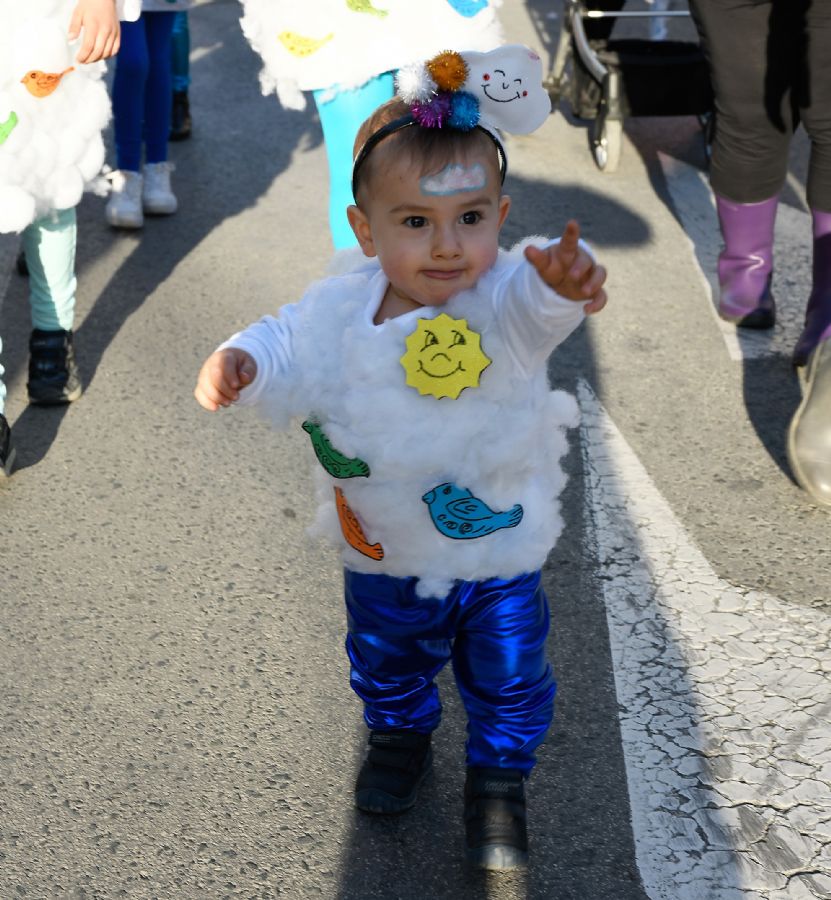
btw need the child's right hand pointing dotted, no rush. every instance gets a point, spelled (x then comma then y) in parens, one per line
(222, 376)
(569, 270)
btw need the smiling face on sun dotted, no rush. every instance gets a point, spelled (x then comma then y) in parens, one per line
(443, 357)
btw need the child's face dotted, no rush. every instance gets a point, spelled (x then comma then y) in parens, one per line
(436, 234)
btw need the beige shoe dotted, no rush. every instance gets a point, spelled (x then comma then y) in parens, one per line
(124, 206)
(809, 436)
(157, 198)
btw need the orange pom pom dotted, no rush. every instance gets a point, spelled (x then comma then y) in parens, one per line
(448, 70)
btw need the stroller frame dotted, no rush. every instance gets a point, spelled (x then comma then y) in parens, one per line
(606, 132)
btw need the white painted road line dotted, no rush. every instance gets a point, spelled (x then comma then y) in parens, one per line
(693, 201)
(724, 700)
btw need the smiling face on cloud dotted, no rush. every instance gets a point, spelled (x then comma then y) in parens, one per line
(507, 82)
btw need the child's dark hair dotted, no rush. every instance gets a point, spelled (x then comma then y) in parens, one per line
(429, 148)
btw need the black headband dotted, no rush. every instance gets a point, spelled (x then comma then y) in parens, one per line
(404, 122)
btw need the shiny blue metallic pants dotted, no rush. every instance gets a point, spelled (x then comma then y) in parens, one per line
(494, 633)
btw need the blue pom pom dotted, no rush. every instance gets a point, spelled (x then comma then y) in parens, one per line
(464, 111)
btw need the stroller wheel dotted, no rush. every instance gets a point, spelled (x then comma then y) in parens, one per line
(607, 142)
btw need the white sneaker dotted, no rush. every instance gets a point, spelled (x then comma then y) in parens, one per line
(124, 206)
(156, 196)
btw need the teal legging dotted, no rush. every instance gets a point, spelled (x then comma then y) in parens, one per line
(340, 117)
(49, 246)
(180, 57)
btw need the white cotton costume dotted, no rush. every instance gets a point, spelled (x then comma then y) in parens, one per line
(501, 440)
(52, 111)
(342, 44)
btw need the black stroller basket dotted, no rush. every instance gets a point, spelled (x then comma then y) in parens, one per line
(614, 79)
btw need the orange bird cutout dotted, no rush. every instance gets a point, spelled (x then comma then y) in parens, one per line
(352, 531)
(41, 84)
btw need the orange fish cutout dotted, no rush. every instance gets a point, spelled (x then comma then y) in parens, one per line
(352, 531)
(41, 84)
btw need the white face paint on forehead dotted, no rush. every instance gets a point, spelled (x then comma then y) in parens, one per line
(455, 179)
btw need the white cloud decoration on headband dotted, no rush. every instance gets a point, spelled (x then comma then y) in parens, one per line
(508, 85)
(501, 89)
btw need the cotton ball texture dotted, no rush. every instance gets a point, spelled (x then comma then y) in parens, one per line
(501, 439)
(332, 46)
(52, 113)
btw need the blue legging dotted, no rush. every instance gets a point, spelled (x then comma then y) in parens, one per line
(494, 632)
(142, 90)
(340, 118)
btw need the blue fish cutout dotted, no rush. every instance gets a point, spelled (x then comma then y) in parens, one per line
(468, 8)
(458, 514)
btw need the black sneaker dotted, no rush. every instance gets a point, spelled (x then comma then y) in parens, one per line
(6, 449)
(495, 829)
(395, 765)
(53, 375)
(180, 122)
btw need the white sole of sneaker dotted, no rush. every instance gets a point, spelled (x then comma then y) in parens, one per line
(121, 222)
(160, 209)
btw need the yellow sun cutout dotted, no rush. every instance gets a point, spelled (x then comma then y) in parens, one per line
(443, 357)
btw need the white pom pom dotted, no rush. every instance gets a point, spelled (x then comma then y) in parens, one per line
(415, 83)
(17, 209)
(64, 187)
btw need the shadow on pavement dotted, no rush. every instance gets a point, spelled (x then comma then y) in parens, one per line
(223, 144)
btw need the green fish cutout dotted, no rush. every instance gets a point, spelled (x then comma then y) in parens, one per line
(8, 127)
(365, 6)
(335, 463)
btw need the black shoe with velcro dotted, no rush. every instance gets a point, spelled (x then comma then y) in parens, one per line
(395, 765)
(180, 123)
(53, 374)
(496, 836)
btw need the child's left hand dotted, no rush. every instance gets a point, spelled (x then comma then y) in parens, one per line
(569, 270)
(102, 34)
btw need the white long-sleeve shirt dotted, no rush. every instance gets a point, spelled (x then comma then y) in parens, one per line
(501, 439)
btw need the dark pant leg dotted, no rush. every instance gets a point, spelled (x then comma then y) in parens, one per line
(749, 45)
(129, 83)
(505, 681)
(158, 97)
(397, 644)
(815, 103)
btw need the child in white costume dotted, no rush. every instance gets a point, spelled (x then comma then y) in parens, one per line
(53, 107)
(345, 51)
(421, 376)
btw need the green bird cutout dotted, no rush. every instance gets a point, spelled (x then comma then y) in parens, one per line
(365, 6)
(335, 463)
(8, 127)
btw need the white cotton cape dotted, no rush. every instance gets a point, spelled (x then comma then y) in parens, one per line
(342, 44)
(323, 358)
(51, 147)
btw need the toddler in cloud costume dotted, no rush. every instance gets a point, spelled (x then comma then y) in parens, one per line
(53, 107)
(420, 377)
